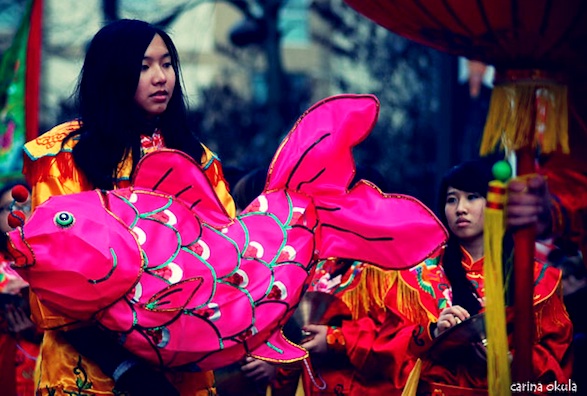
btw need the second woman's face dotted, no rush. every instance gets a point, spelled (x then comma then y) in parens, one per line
(157, 79)
(464, 213)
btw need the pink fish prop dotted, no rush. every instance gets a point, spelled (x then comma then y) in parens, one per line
(184, 284)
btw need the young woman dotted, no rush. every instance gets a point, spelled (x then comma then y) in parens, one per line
(130, 102)
(430, 299)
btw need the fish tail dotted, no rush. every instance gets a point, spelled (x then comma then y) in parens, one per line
(362, 223)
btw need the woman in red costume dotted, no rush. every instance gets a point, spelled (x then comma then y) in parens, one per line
(422, 305)
(341, 350)
(130, 102)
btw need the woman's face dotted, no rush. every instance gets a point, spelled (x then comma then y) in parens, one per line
(5, 201)
(157, 79)
(464, 214)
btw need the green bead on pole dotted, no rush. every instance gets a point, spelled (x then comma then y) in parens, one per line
(502, 171)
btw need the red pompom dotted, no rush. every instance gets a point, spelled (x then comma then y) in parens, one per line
(20, 193)
(16, 219)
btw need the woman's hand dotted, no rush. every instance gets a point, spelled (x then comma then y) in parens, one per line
(315, 342)
(258, 370)
(450, 317)
(528, 204)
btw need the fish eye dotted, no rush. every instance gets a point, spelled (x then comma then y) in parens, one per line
(64, 219)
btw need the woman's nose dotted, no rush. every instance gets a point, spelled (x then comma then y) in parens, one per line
(159, 76)
(461, 208)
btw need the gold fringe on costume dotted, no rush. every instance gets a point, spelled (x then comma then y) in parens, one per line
(528, 109)
(410, 305)
(370, 291)
(374, 286)
(498, 366)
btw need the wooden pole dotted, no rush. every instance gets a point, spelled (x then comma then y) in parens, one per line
(524, 327)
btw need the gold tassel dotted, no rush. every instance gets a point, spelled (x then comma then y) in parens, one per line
(409, 304)
(372, 288)
(556, 119)
(498, 366)
(529, 111)
(370, 291)
(413, 379)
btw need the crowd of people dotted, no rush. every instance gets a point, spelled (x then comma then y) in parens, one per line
(130, 102)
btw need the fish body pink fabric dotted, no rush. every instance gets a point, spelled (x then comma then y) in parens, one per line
(185, 285)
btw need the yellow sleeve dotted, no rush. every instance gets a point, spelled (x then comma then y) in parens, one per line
(50, 170)
(49, 167)
(213, 169)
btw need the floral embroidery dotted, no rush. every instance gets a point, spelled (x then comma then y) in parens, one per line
(427, 275)
(49, 140)
(325, 284)
(335, 336)
(335, 339)
(324, 281)
(82, 382)
(151, 143)
(446, 299)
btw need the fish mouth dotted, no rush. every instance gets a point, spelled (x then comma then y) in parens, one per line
(19, 250)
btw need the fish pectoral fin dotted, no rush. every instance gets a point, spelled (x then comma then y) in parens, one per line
(278, 349)
(175, 297)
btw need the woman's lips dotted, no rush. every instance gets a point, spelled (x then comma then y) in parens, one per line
(159, 96)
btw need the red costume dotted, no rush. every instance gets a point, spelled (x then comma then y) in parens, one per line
(347, 368)
(408, 329)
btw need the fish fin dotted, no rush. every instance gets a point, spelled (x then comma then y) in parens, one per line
(175, 297)
(278, 349)
(316, 155)
(393, 231)
(175, 173)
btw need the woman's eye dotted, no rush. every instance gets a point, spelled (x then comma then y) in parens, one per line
(144, 67)
(64, 219)
(472, 197)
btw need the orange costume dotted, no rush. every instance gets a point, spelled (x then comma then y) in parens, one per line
(421, 293)
(50, 170)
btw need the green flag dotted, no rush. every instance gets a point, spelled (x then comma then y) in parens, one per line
(12, 99)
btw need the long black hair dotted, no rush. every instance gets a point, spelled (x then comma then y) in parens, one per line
(471, 176)
(111, 120)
